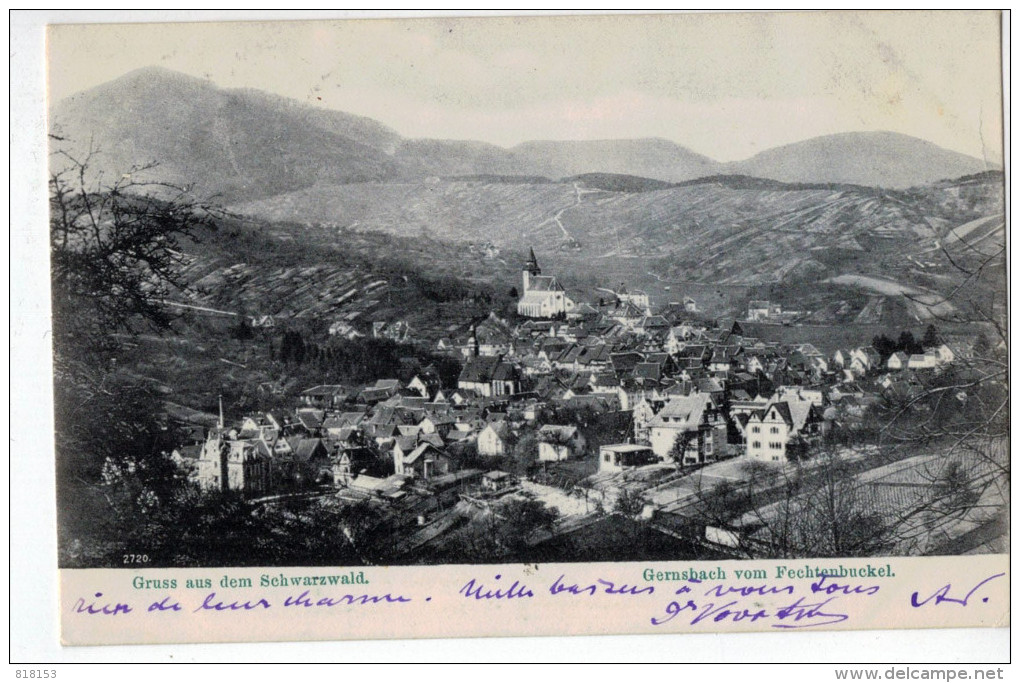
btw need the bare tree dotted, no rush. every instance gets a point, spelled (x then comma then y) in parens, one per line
(115, 253)
(116, 257)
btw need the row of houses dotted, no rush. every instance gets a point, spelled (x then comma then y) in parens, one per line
(692, 392)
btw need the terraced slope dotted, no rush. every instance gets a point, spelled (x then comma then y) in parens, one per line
(314, 278)
(711, 231)
(507, 214)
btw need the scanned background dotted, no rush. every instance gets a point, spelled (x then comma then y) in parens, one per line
(34, 324)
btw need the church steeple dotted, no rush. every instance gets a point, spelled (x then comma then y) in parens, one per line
(530, 268)
(532, 264)
(474, 342)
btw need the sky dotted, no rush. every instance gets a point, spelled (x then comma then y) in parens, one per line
(725, 85)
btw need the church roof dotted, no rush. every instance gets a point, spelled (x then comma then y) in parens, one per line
(479, 369)
(544, 283)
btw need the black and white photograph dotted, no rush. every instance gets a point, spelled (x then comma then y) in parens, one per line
(504, 290)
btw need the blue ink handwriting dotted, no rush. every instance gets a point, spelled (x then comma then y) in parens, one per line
(303, 600)
(942, 594)
(82, 607)
(471, 589)
(601, 585)
(820, 586)
(247, 605)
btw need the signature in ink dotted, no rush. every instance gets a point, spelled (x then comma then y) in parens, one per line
(943, 594)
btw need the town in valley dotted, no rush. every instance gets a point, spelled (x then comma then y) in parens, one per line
(612, 409)
(285, 335)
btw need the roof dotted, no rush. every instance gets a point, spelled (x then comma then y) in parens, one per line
(683, 412)
(796, 413)
(310, 419)
(626, 448)
(627, 310)
(725, 353)
(334, 422)
(325, 390)
(648, 371)
(347, 432)
(544, 283)
(504, 372)
(709, 385)
(625, 362)
(501, 429)
(373, 394)
(479, 369)
(693, 351)
(406, 443)
(654, 321)
(496, 475)
(382, 431)
(557, 434)
(308, 448)
(352, 418)
(809, 350)
(385, 415)
(434, 439)
(422, 449)
(570, 355)
(595, 401)
(783, 408)
(595, 354)
(192, 452)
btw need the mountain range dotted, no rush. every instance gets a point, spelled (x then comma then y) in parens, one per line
(244, 144)
(840, 225)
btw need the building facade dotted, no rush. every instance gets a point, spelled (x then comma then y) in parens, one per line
(542, 296)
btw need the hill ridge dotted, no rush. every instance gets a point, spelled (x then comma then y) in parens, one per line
(245, 143)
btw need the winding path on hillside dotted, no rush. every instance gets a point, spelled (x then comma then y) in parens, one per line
(579, 192)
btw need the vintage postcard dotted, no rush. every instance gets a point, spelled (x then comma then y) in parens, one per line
(528, 326)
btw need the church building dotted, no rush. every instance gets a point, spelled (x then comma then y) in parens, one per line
(543, 296)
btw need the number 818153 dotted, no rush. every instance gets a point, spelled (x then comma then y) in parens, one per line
(35, 673)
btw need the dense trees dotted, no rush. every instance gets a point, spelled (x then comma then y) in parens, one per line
(905, 343)
(931, 337)
(361, 359)
(114, 249)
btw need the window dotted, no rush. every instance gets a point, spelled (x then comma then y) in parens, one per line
(606, 457)
(756, 430)
(774, 430)
(756, 444)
